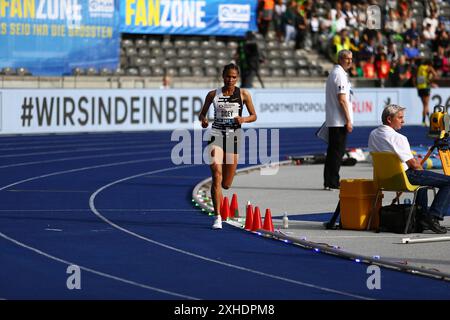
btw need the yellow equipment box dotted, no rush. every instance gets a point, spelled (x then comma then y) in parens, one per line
(357, 197)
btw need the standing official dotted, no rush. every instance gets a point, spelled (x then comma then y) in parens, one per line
(339, 117)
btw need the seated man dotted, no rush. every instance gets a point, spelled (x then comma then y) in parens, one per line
(386, 138)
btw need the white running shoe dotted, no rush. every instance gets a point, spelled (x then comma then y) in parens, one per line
(217, 222)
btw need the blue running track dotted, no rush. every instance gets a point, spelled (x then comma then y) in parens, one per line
(118, 208)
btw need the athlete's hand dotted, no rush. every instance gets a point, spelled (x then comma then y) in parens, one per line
(205, 123)
(239, 120)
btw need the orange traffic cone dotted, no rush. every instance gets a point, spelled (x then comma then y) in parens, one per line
(234, 209)
(268, 224)
(257, 223)
(225, 209)
(249, 217)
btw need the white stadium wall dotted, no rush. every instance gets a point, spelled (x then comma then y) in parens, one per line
(35, 111)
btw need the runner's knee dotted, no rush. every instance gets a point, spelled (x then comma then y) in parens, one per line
(226, 186)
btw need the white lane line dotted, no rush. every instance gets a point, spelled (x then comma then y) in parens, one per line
(102, 274)
(51, 191)
(66, 262)
(79, 150)
(80, 139)
(51, 229)
(80, 158)
(99, 215)
(91, 202)
(78, 170)
(75, 145)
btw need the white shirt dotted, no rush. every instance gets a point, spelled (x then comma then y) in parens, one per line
(385, 138)
(337, 83)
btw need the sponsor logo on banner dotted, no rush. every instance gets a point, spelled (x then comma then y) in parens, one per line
(101, 8)
(234, 16)
(234, 13)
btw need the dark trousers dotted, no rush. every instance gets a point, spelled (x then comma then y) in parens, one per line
(337, 140)
(248, 77)
(441, 203)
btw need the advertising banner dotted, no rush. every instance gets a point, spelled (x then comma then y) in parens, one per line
(188, 17)
(306, 107)
(57, 111)
(51, 37)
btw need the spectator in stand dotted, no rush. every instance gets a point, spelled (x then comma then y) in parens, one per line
(314, 28)
(433, 21)
(355, 41)
(312, 20)
(392, 53)
(338, 21)
(441, 63)
(369, 69)
(393, 26)
(442, 40)
(381, 39)
(412, 32)
(265, 16)
(278, 19)
(368, 49)
(332, 13)
(383, 68)
(341, 41)
(391, 4)
(411, 51)
(309, 9)
(301, 28)
(324, 35)
(402, 73)
(432, 6)
(403, 6)
(350, 15)
(356, 70)
(440, 28)
(428, 36)
(380, 50)
(361, 12)
(405, 19)
(290, 19)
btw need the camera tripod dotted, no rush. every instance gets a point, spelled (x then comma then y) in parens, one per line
(444, 153)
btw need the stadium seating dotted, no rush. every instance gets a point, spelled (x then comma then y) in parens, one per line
(185, 56)
(204, 56)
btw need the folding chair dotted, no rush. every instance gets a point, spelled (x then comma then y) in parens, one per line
(389, 175)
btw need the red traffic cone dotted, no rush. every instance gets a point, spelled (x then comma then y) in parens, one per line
(249, 217)
(257, 223)
(268, 224)
(234, 209)
(225, 209)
